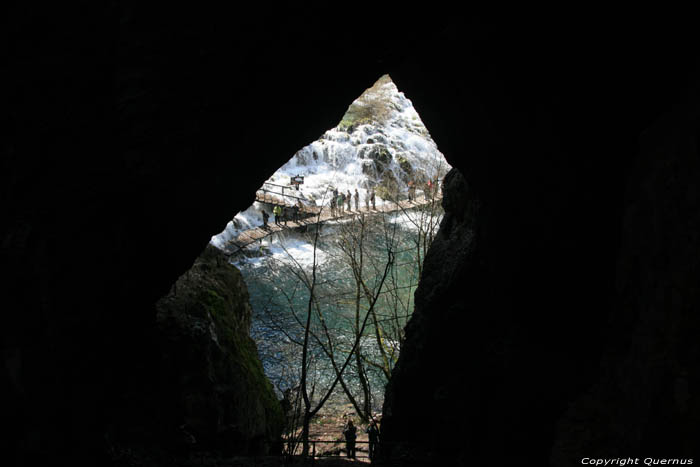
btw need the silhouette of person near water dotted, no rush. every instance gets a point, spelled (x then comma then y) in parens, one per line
(373, 433)
(350, 433)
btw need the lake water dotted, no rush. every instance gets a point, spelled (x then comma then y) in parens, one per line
(350, 260)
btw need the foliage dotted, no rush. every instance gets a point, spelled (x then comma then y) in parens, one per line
(344, 317)
(372, 107)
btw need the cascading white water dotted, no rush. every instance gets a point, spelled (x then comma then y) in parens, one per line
(341, 157)
(380, 144)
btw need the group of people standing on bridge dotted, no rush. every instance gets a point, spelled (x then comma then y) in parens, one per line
(342, 202)
(283, 214)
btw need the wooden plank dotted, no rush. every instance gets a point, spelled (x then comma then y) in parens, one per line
(251, 236)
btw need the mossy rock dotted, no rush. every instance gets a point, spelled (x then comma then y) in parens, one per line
(350, 123)
(380, 154)
(405, 165)
(369, 168)
(373, 106)
(388, 187)
(212, 372)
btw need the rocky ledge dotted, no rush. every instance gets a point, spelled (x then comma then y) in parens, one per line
(219, 395)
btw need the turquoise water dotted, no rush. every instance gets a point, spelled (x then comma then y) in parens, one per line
(352, 268)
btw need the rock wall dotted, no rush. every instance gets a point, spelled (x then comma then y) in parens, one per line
(551, 321)
(645, 396)
(494, 372)
(424, 415)
(135, 135)
(211, 377)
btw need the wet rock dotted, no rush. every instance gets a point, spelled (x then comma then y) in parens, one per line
(405, 166)
(381, 155)
(302, 158)
(369, 168)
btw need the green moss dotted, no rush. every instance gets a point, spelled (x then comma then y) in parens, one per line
(381, 155)
(388, 187)
(242, 354)
(405, 165)
(217, 307)
(257, 380)
(352, 120)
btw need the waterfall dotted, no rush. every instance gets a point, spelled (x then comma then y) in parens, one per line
(384, 150)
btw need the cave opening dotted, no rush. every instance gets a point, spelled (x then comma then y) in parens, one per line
(571, 314)
(319, 271)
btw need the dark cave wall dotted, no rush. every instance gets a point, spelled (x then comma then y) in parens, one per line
(645, 396)
(561, 331)
(137, 132)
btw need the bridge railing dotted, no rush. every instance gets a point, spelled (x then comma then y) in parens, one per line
(341, 452)
(280, 188)
(265, 191)
(315, 453)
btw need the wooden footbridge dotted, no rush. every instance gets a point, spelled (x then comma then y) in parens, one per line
(310, 215)
(275, 195)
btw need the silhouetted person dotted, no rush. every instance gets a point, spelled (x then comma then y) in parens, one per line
(373, 432)
(357, 200)
(265, 217)
(336, 211)
(372, 198)
(350, 433)
(367, 200)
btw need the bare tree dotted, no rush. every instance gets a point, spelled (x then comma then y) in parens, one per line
(348, 323)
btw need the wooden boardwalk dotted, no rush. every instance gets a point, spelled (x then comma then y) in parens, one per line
(319, 215)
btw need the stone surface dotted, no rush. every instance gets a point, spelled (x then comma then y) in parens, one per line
(551, 320)
(646, 395)
(137, 131)
(211, 377)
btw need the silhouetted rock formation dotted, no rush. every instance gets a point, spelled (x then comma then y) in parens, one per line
(135, 135)
(211, 377)
(553, 320)
(645, 399)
